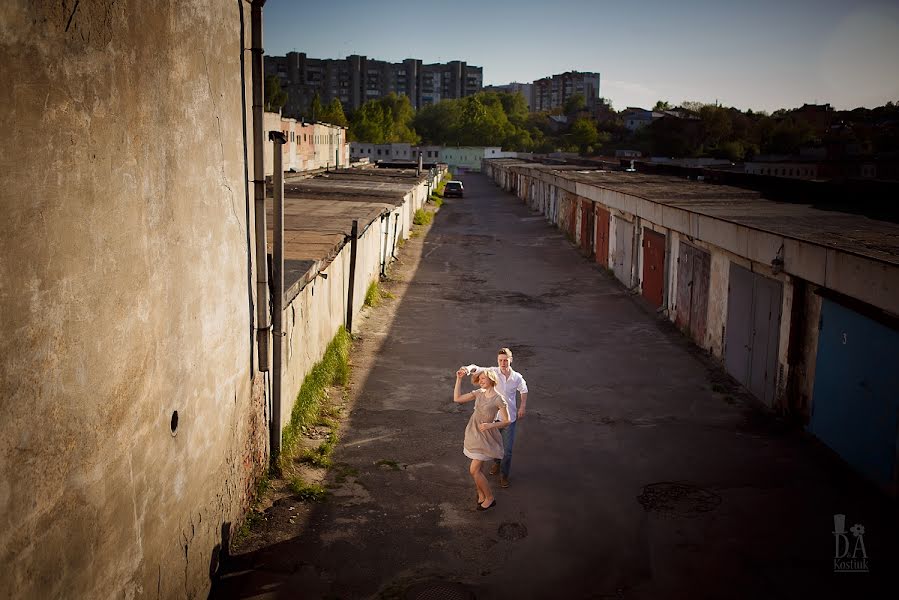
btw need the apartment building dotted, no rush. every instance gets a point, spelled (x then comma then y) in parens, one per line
(552, 92)
(358, 79)
(525, 89)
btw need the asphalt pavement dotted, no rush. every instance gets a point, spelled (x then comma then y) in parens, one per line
(640, 470)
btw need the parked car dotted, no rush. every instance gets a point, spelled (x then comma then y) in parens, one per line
(453, 188)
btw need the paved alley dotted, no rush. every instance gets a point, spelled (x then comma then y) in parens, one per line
(639, 471)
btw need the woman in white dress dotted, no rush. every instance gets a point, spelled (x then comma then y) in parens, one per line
(483, 442)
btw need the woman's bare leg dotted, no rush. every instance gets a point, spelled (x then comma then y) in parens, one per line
(485, 494)
(475, 471)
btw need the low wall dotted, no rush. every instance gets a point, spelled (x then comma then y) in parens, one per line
(313, 317)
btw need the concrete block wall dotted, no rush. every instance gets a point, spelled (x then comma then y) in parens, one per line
(126, 268)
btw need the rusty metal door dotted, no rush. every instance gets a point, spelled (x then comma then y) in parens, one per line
(653, 266)
(602, 236)
(693, 272)
(587, 227)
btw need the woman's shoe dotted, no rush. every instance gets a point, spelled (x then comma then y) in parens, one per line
(492, 504)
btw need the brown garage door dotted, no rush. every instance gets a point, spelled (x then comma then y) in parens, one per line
(653, 266)
(602, 236)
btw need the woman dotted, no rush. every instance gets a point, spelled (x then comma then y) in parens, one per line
(483, 442)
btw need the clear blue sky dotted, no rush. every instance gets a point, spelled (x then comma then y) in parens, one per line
(762, 55)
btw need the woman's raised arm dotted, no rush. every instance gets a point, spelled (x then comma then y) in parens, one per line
(460, 398)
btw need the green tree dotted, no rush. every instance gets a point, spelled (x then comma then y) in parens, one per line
(334, 114)
(575, 104)
(716, 125)
(275, 97)
(315, 108)
(584, 135)
(399, 114)
(662, 105)
(369, 124)
(437, 123)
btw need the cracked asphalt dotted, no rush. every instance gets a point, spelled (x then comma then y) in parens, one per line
(640, 471)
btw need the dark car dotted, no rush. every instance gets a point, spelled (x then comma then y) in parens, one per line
(453, 188)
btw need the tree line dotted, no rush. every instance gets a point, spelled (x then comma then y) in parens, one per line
(691, 129)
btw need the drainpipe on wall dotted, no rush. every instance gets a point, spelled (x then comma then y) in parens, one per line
(386, 227)
(393, 248)
(262, 314)
(279, 140)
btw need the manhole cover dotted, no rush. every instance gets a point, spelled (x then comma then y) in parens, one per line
(438, 590)
(677, 499)
(513, 531)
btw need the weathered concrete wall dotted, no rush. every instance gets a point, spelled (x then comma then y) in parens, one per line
(313, 317)
(124, 290)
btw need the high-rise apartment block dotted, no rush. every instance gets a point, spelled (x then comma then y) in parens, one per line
(525, 89)
(356, 79)
(552, 92)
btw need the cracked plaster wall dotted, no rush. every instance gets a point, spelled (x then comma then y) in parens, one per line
(124, 296)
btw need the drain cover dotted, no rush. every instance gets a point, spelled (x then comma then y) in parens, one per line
(512, 531)
(678, 499)
(438, 590)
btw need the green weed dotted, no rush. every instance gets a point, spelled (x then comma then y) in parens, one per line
(332, 369)
(373, 295)
(307, 492)
(423, 217)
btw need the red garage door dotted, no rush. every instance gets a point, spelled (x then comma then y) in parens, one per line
(653, 266)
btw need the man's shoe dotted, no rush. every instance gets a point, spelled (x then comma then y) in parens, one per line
(503, 482)
(494, 469)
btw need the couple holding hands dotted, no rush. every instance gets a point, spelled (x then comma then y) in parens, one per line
(490, 433)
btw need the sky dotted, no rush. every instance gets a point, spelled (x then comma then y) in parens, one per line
(761, 55)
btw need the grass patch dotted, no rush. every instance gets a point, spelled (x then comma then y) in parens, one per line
(307, 492)
(436, 200)
(332, 369)
(373, 295)
(423, 217)
(390, 464)
(321, 457)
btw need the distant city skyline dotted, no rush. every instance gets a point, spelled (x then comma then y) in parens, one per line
(762, 56)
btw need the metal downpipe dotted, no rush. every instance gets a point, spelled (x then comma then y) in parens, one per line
(263, 322)
(278, 140)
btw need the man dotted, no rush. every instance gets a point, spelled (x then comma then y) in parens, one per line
(510, 381)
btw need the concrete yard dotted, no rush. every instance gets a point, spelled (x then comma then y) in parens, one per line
(640, 471)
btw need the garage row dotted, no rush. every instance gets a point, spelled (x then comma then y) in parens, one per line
(799, 305)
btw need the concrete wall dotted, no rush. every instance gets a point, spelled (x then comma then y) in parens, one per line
(312, 318)
(126, 283)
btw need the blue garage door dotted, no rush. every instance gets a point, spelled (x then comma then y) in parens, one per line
(855, 406)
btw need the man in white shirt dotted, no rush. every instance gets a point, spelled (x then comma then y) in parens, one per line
(510, 382)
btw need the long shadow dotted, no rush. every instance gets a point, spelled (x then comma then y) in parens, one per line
(634, 475)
